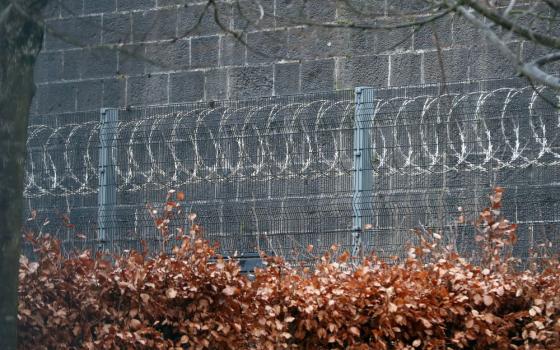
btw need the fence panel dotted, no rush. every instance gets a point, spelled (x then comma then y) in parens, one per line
(437, 152)
(271, 174)
(277, 174)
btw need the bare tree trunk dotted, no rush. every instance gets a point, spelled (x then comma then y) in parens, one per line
(20, 42)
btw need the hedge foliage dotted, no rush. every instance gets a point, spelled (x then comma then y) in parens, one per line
(195, 299)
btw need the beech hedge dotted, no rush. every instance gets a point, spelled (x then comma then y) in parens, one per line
(195, 299)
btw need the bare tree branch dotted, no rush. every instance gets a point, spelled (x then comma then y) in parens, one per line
(536, 65)
(198, 20)
(541, 61)
(509, 8)
(352, 25)
(530, 71)
(545, 40)
(553, 4)
(5, 13)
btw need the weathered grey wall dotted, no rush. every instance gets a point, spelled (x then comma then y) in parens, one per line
(174, 64)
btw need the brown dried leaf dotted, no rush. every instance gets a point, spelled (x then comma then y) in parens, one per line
(354, 330)
(145, 297)
(230, 290)
(171, 293)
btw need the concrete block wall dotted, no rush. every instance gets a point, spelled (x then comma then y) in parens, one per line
(172, 51)
(164, 56)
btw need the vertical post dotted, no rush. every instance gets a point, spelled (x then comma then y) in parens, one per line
(107, 196)
(362, 168)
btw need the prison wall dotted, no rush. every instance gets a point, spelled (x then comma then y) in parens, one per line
(427, 162)
(174, 51)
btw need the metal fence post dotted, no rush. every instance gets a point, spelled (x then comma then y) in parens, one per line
(107, 195)
(363, 172)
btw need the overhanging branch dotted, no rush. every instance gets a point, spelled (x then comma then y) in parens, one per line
(5, 13)
(531, 70)
(545, 40)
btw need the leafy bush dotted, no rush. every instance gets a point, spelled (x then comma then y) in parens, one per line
(433, 299)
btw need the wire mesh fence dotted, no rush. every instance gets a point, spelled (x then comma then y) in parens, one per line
(437, 152)
(277, 174)
(260, 174)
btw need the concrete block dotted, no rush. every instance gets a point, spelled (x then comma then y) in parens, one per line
(464, 34)
(87, 31)
(320, 11)
(71, 8)
(48, 67)
(204, 52)
(362, 42)
(267, 46)
(186, 87)
(117, 28)
(114, 93)
(99, 6)
(89, 95)
(405, 69)
(129, 5)
(363, 71)
(232, 51)
(424, 38)
(247, 82)
(454, 66)
(486, 61)
(97, 63)
(215, 84)
(167, 3)
(147, 90)
(196, 19)
(317, 75)
(154, 25)
(398, 8)
(72, 64)
(290, 12)
(315, 42)
(51, 9)
(166, 56)
(73, 32)
(286, 79)
(247, 16)
(393, 40)
(132, 59)
(57, 97)
(360, 12)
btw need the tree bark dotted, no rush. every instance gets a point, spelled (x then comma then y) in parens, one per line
(20, 41)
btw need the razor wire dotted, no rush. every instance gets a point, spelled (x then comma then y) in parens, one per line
(503, 146)
(277, 172)
(230, 155)
(215, 153)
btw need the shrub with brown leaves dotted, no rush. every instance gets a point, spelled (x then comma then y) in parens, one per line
(433, 299)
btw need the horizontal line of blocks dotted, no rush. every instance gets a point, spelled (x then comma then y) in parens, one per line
(154, 56)
(65, 85)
